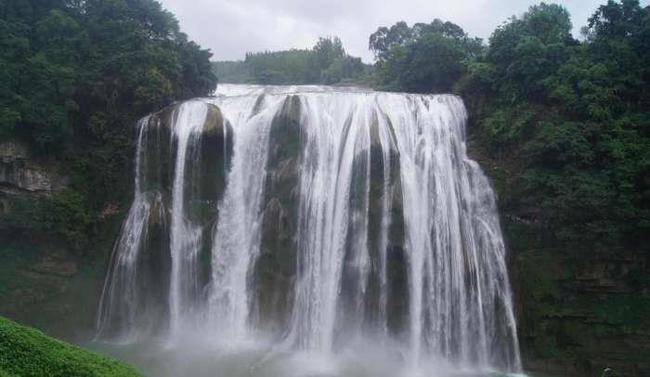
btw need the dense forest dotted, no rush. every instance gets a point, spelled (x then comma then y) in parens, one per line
(76, 77)
(325, 63)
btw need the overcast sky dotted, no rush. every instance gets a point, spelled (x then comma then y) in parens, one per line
(230, 28)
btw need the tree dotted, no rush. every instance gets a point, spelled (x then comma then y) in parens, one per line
(526, 50)
(423, 58)
(385, 39)
(327, 50)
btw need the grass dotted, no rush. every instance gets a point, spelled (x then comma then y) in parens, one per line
(27, 352)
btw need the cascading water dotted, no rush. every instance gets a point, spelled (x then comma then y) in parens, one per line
(237, 235)
(184, 235)
(120, 296)
(340, 217)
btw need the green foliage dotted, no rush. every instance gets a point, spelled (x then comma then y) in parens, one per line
(631, 312)
(233, 72)
(283, 67)
(28, 352)
(76, 77)
(423, 58)
(525, 51)
(327, 50)
(65, 214)
(325, 63)
(506, 126)
(574, 115)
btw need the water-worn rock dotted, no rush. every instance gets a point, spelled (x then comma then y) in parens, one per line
(276, 264)
(25, 179)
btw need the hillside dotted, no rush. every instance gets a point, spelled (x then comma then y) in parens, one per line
(28, 352)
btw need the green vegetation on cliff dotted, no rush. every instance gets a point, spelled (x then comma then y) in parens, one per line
(574, 119)
(326, 63)
(27, 352)
(76, 76)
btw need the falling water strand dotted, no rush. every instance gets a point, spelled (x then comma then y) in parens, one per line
(119, 298)
(326, 175)
(237, 236)
(184, 236)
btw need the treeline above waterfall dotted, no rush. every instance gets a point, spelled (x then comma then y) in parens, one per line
(325, 63)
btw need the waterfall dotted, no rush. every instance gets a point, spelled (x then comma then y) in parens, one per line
(386, 193)
(185, 236)
(123, 270)
(315, 217)
(237, 235)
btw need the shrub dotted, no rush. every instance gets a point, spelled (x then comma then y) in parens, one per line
(28, 352)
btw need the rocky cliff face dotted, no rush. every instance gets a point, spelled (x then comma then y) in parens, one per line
(277, 261)
(42, 282)
(21, 173)
(582, 311)
(194, 165)
(23, 176)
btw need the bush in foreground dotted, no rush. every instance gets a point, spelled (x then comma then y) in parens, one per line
(26, 352)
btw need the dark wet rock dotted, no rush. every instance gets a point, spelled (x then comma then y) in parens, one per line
(275, 268)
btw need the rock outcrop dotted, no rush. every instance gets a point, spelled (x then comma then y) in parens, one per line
(21, 173)
(24, 177)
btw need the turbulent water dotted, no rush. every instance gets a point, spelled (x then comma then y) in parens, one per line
(306, 231)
